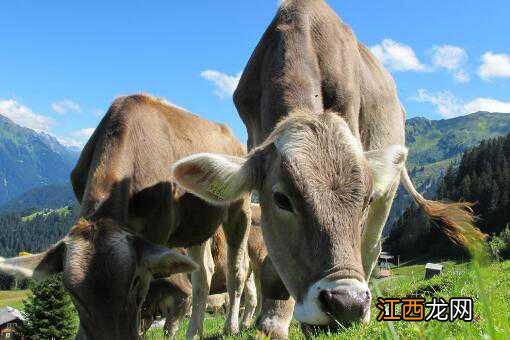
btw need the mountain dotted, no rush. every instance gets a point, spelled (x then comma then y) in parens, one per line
(30, 159)
(49, 196)
(435, 144)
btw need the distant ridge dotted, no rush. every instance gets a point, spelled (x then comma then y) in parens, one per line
(30, 159)
(435, 144)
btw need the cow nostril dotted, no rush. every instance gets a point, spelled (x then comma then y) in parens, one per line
(325, 297)
(344, 305)
(367, 295)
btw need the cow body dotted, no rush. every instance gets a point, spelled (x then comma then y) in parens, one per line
(327, 153)
(170, 297)
(124, 174)
(131, 210)
(309, 60)
(124, 171)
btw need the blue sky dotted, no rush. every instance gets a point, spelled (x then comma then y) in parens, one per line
(63, 62)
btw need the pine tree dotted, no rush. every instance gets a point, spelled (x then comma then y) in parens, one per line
(49, 312)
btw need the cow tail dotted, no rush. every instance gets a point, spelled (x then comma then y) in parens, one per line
(455, 219)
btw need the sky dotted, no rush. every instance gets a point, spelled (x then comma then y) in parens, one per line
(63, 62)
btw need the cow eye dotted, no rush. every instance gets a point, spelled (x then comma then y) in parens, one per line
(282, 201)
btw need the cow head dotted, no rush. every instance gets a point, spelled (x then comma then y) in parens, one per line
(107, 272)
(315, 186)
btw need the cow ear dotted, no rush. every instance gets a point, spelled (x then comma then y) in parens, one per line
(163, 262)
(38, 266)
(218, 179)
(385, 167)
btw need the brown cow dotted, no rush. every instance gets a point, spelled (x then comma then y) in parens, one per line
(169, 297)
(124, 184)
(326, 133)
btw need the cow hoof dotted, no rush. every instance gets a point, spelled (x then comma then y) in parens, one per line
(269, 328)
(246, 325)
(231, 330)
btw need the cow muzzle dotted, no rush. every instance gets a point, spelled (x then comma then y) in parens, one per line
(329, 303)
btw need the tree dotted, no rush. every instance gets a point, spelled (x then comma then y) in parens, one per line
(49, 312)
(482, 177)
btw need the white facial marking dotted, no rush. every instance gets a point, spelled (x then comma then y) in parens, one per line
(309, 311)
(350, 139)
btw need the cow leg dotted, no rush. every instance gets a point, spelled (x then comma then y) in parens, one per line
(145, 325)
(201, 282)
(236, 232)
(275, 317)
(175, 314)
(371, 240)
(258, 288)
(250, 302)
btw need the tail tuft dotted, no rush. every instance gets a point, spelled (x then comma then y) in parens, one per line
(455, 219)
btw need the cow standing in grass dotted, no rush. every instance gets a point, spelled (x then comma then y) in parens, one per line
(326, 134)
(131, 208)
(169, 297)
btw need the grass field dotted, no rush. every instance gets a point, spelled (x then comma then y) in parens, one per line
(491, 306)
(12, 298)
(489, 287)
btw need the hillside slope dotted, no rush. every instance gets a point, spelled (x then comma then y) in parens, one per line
(49, 196)
(30, 159)
(435, 144)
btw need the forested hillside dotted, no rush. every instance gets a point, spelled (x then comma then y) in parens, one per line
(30, 159)
(435, 144)
(483, 177)
(34, 232)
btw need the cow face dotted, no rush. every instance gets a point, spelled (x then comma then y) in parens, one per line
(315, 186)
(107, 272)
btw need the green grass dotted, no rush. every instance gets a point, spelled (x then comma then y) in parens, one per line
(12, 298)
(491, 306)
(64, 211)
(457, 280)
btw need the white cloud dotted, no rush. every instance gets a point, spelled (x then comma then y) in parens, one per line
(445, 102)
(487, 104)
(397, 56)
(225, 84)
(24, 116)
(450, 106)
(65, 106)
(83, 133)
(449, 57)
(76, 138)
(453, 59)
(461, 76)
(494, 66)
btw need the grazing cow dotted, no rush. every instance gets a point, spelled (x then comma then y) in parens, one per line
(169, 297)
(326, 133)
(129, 203)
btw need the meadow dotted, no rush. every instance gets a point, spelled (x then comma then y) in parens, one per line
(488, 286)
